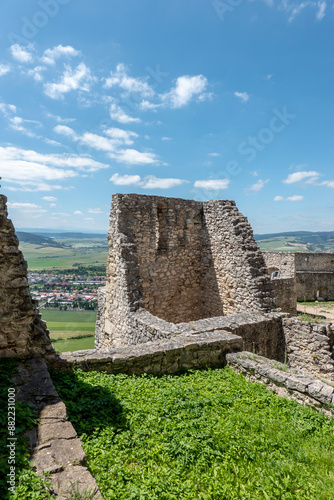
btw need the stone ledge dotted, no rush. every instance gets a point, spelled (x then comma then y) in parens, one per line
(54, 445)
(207, 349)
(286, 382)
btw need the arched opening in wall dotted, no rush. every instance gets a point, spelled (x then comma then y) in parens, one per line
(321, 293)
(162, 237)
(274, 272)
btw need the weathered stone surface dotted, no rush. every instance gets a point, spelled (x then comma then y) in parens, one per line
(54, 445)
(313, 274)
(22, 331)
(180, 261)
(309, 346)
(286, 382)
(167, 355)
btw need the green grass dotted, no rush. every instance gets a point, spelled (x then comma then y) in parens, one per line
(70, 330)
(68, 316)
(204, 435)
(326, 304)
(74, 344)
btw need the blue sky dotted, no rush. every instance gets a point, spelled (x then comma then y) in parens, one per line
(193, 99)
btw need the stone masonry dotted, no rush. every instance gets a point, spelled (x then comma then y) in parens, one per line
(22, 332)
(180, 261)
(313, 274)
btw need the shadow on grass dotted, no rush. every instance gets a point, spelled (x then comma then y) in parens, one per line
(89, 408)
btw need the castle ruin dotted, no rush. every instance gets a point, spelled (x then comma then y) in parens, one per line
(175, 261)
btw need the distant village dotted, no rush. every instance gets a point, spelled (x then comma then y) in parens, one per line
(65, 292)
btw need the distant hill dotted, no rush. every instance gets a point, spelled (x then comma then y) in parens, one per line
(76, 236)
(297, 241)
(36, 239)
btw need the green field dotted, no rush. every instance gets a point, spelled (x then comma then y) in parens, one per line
(44, 257)
(70, 330)
(74, 344)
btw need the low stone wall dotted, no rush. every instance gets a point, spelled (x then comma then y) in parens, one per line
(309, 346)
(285, 382)
(261, 332)
(313, 284)
(207, 349)
(54, 445)
(285, 296)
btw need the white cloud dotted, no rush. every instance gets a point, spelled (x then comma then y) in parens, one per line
(94, 211)
(17, 123)
(36, 73)
(125, 180)
(258, 185)
(214, 154)
(65, 130)
(148, 182)
(129, 84)
(321, 12)
(118, 114)
(166, 138)
(329, 184)
(49, 198)
(185, 89)
(310, 175)
(134, 157)
(79, 78)
(59, 119)
(121, 136)
(97, 142)
(4, 69)
(51, 55)
(33, 171)
(77, 212)
(147, 105)
(243, 96)
(22, 54)
(293, 9)
(30, 209)
(295, 197)
(212, 184)
(7, 109)
(89, 218)
(112, 145)
(51, 142)
(152, 182)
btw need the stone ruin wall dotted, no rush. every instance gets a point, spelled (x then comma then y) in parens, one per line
(284, 286)
(282, 261)
(314, 261)
(313, 274)
(309, 346)
(22, 332)
(179, 260)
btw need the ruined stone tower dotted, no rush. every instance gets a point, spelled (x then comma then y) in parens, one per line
(173, 261)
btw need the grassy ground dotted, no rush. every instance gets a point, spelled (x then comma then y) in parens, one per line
(204, 435)
(70, 330)
(319, 305)
(281, 244)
